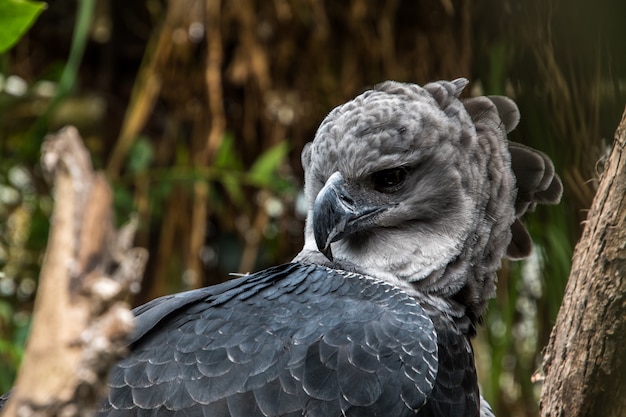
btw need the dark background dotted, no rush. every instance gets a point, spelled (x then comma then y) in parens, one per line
(198, 112)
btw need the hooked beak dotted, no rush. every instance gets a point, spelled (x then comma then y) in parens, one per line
(337, 213)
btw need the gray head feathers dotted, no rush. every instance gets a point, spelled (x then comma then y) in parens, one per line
(426, 190)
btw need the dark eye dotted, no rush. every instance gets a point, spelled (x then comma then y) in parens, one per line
(388, 180)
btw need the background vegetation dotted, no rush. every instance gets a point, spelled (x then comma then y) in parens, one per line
(198, 110)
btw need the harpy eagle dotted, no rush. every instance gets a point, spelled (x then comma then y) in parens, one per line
(414, 197)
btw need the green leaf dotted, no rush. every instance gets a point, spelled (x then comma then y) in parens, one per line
(266, 165)
(232, 184)
(227, 156)
(16, 16)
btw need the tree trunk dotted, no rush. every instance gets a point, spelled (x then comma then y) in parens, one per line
(81, 322)
(585, 361)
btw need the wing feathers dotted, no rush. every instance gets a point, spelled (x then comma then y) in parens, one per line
(325, 352)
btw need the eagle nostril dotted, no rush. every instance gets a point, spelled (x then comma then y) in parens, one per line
(345, 198)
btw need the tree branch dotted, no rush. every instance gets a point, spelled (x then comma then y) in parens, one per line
(80, 321)
(585, 361)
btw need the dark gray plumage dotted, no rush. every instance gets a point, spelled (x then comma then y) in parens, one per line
(291, 338)
(414, 197)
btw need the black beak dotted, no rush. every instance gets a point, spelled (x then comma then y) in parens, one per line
(338, 213)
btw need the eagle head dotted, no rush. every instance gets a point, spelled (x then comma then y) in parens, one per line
(413, 185)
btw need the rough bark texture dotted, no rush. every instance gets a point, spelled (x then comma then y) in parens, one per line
(585, 361)
(80, 321)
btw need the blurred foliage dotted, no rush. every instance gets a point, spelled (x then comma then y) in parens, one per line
(198, 112)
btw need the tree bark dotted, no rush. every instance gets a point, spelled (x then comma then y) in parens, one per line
(585, 361)
(80, 321)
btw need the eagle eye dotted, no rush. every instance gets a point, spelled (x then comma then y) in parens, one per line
(389, 180)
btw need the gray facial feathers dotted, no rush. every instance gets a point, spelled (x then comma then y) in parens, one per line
(452, 187)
